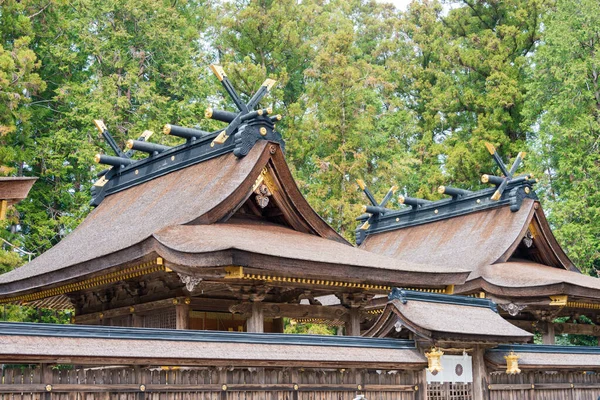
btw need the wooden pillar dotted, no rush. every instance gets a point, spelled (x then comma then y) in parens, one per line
(420, 380)
(548, 336)
(256, 322)
(353, 322)
(182, 317)
(480, 380)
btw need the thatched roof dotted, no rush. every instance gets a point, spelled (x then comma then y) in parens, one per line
(437, 317)
(546, 357)
(100, 345)
(185, 217)
(490, 244)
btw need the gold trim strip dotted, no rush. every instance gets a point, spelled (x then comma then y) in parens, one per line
(578, 304)
(127, 273)
(237, 272)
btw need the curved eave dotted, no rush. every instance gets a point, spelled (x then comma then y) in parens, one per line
(458, 330)
(193, 263)
(554, 289)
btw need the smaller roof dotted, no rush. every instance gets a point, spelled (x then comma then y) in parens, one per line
(548, 357)
(96, 345)
(15, 189)
(439, 317)
(515, 278)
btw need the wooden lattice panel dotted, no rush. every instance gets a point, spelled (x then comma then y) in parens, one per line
(165, 319)
(449, 391)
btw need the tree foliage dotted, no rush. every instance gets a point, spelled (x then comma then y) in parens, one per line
(367, 91)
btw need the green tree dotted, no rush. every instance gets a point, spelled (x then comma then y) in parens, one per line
(564, 107)
(464, 80)
(136, 64)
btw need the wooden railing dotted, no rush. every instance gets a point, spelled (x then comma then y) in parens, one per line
(581, 385)
(45, 382)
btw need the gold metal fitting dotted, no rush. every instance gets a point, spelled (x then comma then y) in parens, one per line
(208, 112)
(485, 178)
(269, 110)
(218, 71)
(268, 83)
(220, 139)
(522, 154)
(263, 131)
(97, 158)
(361, 184)
(496, 195)
(167, 129)
(142, 388)
(441, 189)
(364, 208)
(259, 112)
(401, 199)
(129, 144)
(234, 272)
(527, 190)
(278, 117)
(48, 388)
(490, 147)
(187, 300)
(131, 309)
(100, 125)
(559, 300)
(394, 189)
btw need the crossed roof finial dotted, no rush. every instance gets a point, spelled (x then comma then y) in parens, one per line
(502, 181)
(251, 125)
(375, 208)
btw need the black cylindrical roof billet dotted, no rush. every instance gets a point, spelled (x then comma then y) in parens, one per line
(362, 217)
(114, 161)
(454, 192)
(220, 115)
(186, 133)
(522, 178)
(413, 201)
(492, 179)
(375, 209)
(102, 173)
(146, 147)
(254, 114)
(497, 180)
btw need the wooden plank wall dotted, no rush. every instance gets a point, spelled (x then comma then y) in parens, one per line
(540, 385)
(200, 383)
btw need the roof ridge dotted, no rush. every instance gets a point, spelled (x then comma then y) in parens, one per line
(245, 128)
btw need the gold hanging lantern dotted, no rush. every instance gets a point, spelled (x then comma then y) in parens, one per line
(512, 363)
(434, 360)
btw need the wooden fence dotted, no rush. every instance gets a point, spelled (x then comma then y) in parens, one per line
(43, 382)
(540, 385)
